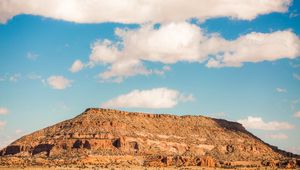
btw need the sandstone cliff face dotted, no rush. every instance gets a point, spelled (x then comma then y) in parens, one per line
(106, 136)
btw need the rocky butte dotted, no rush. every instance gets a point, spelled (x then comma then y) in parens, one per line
(108, 138)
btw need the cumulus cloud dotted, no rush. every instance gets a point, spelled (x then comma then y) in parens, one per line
(76, 66)
(58, 82)
(279, 136)
(169, 44)
(260, 124)
(257, 47)
(186, 42)
(297, 114)
(139, 11)
(3, 111)
(154, 98)
(281, 90)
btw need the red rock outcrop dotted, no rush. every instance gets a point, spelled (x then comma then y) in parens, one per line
(106, 137)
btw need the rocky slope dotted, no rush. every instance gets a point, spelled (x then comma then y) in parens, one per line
(106, 137)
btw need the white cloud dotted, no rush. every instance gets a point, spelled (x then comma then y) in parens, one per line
(104, 52)
(139, 11)
(58, 82)
(15, 77)
(281, 90)
(154, 98)
(256, 47)
(76, 66)
(2, 124)
(183, 41)
(168, 44)
(34, 76)
(297, 114)
(11, 77)
(279, 136)
(124, 68)
(296, 76)
(31, 56)
(260, 124)
(146, 44)
(3, 110)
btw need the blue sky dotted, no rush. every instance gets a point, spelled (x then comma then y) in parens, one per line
(241, 67)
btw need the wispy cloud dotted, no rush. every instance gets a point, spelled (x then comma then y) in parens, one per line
(15, 77)
(34, 76)
(2, 124)
(294, 14)
(296, 76)
(32, 56)
(2, 78)
(162, 71)
(279, 136)
(3, 111)
(281, 90)
(294, 65)
(294, 103)
(297, 114)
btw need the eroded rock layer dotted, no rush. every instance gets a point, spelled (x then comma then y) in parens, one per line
(106, 137)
